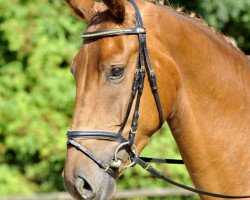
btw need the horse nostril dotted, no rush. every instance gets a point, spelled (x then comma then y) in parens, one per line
(84, 188)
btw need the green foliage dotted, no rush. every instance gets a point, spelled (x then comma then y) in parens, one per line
(231, 17)
(11, 179)
(38, 40)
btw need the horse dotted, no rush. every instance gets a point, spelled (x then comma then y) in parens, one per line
(203, 86)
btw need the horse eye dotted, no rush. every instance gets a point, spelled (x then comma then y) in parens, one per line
(116, 72)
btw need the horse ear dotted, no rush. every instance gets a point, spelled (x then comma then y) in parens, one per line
(117, 8)
(84, 9)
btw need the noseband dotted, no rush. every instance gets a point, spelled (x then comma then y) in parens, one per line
(143, 67)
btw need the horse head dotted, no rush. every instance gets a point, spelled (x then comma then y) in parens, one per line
(104, 70)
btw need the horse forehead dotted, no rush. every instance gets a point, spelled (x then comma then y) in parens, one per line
(104, 49)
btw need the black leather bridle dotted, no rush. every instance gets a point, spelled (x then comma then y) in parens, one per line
(143, 67)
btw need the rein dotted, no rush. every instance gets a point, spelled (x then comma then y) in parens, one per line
(143, 67)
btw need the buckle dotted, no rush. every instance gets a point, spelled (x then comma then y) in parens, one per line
(140, 30)
(107, 168)
(133, 132)
(152, 73)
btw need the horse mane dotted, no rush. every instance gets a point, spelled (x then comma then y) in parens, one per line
(198, 19)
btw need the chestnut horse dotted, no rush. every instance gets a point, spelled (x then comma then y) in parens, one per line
(204, 88)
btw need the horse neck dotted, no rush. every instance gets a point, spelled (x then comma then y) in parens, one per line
(210, 117)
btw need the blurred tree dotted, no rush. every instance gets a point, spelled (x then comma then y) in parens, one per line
(38, 41)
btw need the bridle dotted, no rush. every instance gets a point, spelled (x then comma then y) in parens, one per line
(143, 67)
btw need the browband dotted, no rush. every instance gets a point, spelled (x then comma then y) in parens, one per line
(113, 32)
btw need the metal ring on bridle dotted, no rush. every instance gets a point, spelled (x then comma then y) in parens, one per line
(107, 168)
(133, 148)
